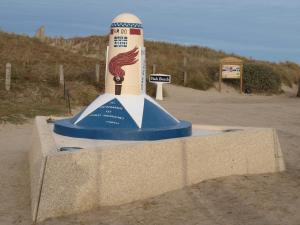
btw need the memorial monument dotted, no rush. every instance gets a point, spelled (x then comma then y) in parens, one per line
(125, 111)
(125, 147)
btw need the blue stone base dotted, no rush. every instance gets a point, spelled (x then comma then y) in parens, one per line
(66, 127)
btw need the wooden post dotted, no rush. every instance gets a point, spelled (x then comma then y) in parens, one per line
(65, 93)
(242, 75)
(298, 94)
(97, 73)
(153, 68)
(184, 71)
(68, 102)
(8, 76)
(98, 52)
(61, 75)
(220, 77)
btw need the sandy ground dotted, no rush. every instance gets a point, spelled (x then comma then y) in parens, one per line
(237, 200)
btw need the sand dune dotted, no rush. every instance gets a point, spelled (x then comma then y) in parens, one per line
(236, 200)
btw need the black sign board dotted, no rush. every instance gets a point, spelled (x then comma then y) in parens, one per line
(160, 78)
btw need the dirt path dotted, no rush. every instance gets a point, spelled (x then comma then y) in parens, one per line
(14, 174)
(236, 200)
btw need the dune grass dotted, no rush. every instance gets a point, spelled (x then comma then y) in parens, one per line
(202, 63)
(35, 82)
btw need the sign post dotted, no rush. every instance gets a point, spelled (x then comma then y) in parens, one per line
(61, 75)
(159, 80)
(8, 76)
(298, 94)
(97, 73)
(231, 68)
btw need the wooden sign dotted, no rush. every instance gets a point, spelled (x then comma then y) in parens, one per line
(231, 68)
(231, 71)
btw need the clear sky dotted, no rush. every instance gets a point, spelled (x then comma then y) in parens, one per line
(262, 29)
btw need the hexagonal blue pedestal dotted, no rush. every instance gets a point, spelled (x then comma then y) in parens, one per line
(112, 117)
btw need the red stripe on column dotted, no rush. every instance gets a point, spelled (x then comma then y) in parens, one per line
(135, 31)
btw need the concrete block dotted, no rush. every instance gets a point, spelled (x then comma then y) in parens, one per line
(106, 173)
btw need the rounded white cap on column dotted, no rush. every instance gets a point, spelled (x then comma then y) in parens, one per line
(127, 17)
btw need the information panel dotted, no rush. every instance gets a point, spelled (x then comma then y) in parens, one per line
(231, 71)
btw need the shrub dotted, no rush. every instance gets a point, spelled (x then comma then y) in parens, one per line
(289, 72)
(199, 81)
(261, 78)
